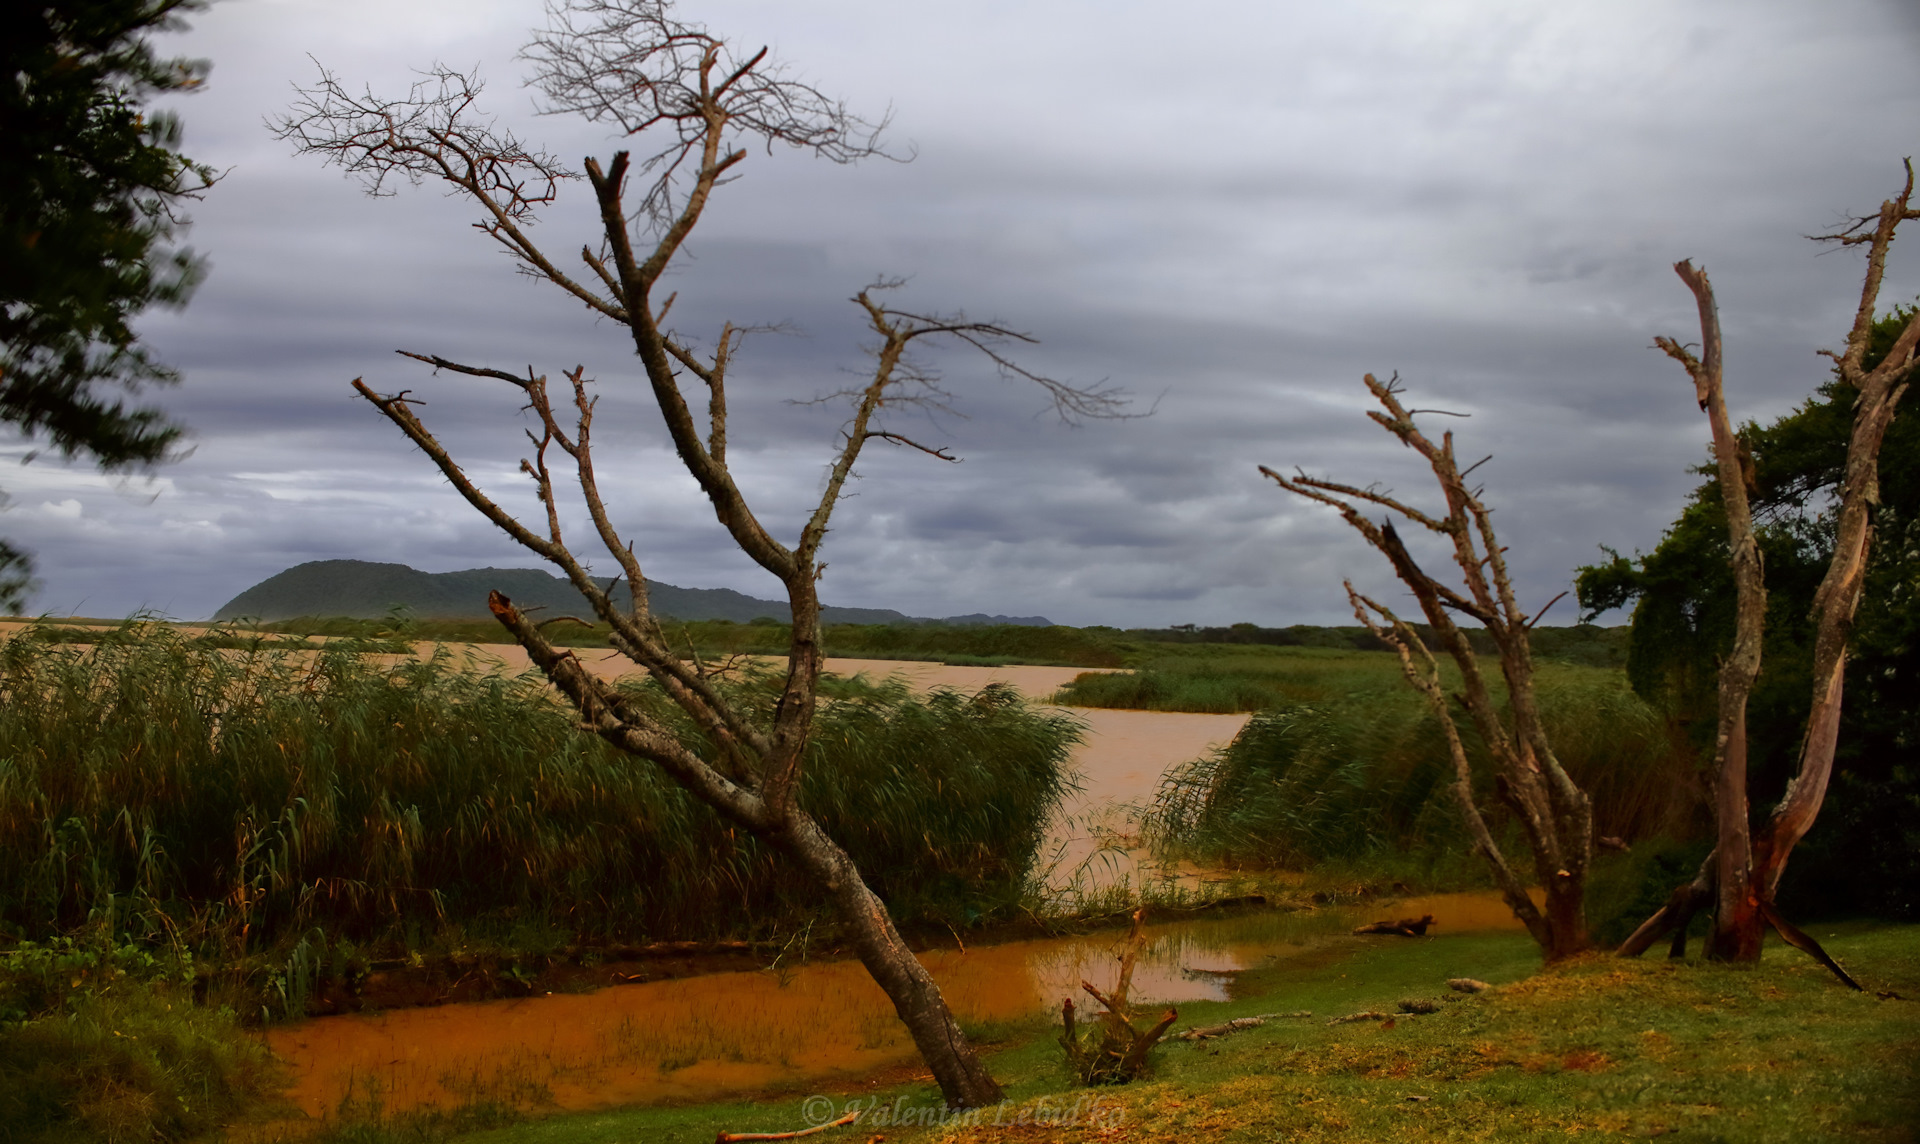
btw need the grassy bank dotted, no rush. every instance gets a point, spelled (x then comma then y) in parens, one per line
(1689, 1051)
(240, 801)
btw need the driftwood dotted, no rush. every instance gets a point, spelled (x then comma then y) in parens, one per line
(1405, 927)
(730, 1137)
(1118, 1053)
(1211, 1031)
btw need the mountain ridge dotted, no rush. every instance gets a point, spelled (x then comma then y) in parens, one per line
(366, 589)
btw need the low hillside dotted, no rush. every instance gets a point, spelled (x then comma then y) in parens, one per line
(363, 589)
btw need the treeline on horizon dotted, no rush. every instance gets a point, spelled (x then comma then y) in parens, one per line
(987, 644)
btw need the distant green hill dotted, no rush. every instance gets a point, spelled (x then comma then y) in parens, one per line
(362, 589)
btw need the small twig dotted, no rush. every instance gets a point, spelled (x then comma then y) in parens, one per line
(1543, 611)
(563, 619)
(898, 439)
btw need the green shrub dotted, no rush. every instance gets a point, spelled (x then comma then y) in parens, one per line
(102, 1042)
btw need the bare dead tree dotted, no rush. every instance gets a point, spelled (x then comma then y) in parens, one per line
(686, 94)
(1555, 814)
(1742, 876)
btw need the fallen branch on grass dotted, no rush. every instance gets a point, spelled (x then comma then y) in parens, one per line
(1405, 927)
(1239, 1023)
(730, 1137)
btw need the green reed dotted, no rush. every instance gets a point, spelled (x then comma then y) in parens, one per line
(257, 797)
(1367, 772)
(1223, 679)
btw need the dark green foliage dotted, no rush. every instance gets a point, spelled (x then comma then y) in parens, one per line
(1582, 643)
(101, 1041)
(90, 189)
(130, 1065)
(1862, 852)
(90, 184)
(247, 797)
(1368, 773)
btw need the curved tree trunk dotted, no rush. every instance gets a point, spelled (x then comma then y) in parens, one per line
(963, 1080)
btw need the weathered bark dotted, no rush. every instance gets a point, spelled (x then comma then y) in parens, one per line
(1736, 932)
(1554, 813)
(1748, 865)
(956, 1068)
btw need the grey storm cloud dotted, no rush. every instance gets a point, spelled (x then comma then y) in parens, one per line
(1232, 215)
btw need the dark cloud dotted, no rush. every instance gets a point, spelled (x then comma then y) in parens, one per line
(1233, 215)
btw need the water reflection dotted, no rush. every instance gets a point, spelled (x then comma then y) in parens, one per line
(703, 1037)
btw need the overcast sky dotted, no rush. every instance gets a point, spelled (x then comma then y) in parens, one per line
(1231, 209)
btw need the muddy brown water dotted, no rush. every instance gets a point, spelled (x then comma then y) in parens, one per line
(729, 1034)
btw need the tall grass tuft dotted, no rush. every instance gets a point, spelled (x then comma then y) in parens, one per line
(260, 797)
(1367, 774)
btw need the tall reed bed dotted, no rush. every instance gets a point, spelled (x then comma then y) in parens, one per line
(1366, 773)
(246, 796)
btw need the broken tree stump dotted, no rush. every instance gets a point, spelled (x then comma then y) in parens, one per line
(1116, 1051)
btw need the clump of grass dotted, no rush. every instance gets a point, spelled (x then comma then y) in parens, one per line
(102, 1041)
(264, 798)
(1367, 774)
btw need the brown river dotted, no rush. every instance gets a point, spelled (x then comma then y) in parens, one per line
(729, 1034)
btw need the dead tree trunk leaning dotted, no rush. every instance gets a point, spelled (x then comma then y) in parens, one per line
(627, 62)
(1554, 813)
(1743, 875)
